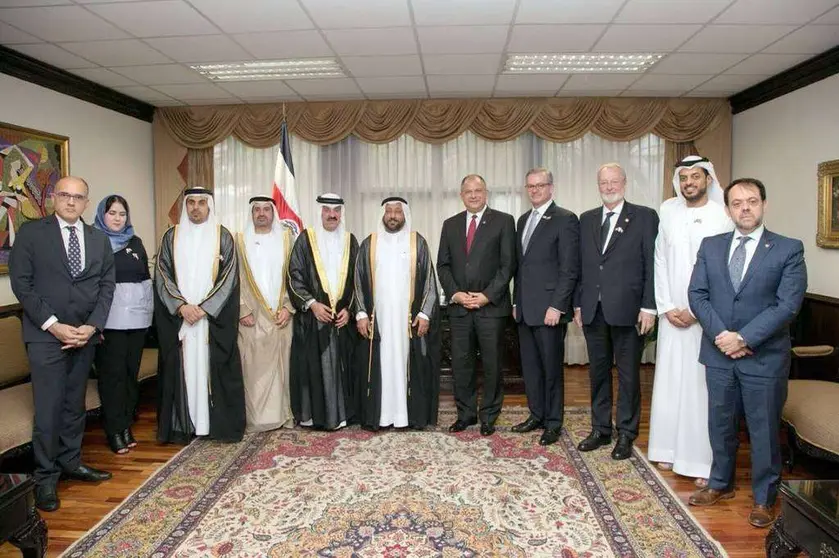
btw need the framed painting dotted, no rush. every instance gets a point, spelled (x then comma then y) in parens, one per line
(31, 162)
(828, 232)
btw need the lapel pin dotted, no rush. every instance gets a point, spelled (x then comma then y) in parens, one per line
(697, 221)
(626, 220)
(767, 245)
(618, 230)
(546, 217)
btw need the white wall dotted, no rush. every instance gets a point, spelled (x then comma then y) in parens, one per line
(111, 151)
(781, 143)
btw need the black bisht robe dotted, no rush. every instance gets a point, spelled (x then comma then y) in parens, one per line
(321, 372)
(227, 388)
(424, 352)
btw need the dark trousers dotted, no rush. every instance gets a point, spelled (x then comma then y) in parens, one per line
(59, 383)
(542, 356)
(623, 346)
(117, 366)
(469, 333)
(761, 399)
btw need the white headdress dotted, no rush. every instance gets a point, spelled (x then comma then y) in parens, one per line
(266, 253)
(405, 230)
(195, 249)
(331, 243)
(715, 191)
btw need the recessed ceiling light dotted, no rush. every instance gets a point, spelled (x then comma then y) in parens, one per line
(271, 69)
(580, 63)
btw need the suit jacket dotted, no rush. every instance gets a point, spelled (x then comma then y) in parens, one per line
(769, 297)
(550, 268)
(40, 276)
(622, 275)
(489, 266)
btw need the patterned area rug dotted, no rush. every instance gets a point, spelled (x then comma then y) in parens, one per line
(392, 494)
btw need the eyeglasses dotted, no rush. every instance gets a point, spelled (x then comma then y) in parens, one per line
(65, 197)
(613, 182)
(540, 186)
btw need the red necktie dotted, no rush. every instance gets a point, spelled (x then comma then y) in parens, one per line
(470, 234)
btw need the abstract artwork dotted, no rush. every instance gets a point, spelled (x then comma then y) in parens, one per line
(31, 162)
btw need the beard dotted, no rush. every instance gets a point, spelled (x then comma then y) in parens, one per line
(611, 198)
(393, 225)
(697, 195)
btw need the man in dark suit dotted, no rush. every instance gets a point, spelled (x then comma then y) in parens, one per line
(746, 288)
(615, 306)
(62, 272)
(475, 262)
(548, 250)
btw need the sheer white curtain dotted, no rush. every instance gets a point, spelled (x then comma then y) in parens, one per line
(429, 176)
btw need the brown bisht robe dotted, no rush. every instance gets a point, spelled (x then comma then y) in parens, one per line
(227, 397)
(265, 349)
(321, 354)
(424, 353)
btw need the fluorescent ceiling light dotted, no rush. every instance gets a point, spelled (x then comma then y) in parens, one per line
(580, 63)
(271, 69)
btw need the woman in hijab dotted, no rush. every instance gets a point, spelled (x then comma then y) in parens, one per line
(118, 356)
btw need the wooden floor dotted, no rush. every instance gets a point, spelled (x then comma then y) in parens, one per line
(83, 505)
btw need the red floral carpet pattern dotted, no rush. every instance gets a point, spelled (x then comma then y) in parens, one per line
(353, 493)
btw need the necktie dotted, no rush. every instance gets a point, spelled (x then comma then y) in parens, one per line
(738, 262)
(470, 234)
(604, 231)
(528, 231)
(74, 253)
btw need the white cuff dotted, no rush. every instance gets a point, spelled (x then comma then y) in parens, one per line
(554, 309)
(361, 316)
(49, 323)
(648, 311)
(308, 304)
(423, 316)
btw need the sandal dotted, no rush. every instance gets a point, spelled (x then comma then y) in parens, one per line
(661, 466)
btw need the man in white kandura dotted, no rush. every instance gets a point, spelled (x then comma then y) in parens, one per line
(679, 411)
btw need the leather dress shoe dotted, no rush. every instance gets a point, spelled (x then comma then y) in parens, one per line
(461, 425)
(623, 449)
(709, 496)
(117, 443)
(87, 474)
(550, 436)
(46, 498)
(128, 436)
(527, 426)
(594, 440)
(487, 429)
(761, 516)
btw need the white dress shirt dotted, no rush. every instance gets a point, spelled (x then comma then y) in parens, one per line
(612, 221)
(533, 219)
(751, 246)
(479, 215)
(65, 236)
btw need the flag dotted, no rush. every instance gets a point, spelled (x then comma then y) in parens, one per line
(285, 188)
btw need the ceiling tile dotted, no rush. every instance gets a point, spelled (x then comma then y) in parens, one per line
(243, 16)
(462, 40)
(24, 3)
(143, 93)
(640, 93)
(332, 87)
(461, 63)
(653, 82)
(774, 11)
(442, 85)
(812, 39)
(572, 11)
(104, 2)
(263, 100)
(464, 12)
(168, 103)
(730, 83)
(222, 101)
(284, 44)
(711, 94)
(767, 63)
(670, 11)
(62, 23)
(599, 82)
(361, 42)
(156, 19)
(341, 14)
(104, 77)
(258, 89)
(132, 52)
(519, 84)
(207, 48)
(161, 74)
(604, 93)
(831, 17)
(731, 39)
(11, 36)
(392, 85)
(554, 38)
(194, 91)
(644, 38)
(696, 63)
(54, 55)
(380, 66)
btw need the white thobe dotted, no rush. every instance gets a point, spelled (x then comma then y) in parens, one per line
(679, 409)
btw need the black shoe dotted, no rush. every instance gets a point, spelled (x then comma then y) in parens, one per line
(550, 436)
(87, 474)
(117, 443)
(487, 429)
(461, 425)
(623, 449)
(127, 435)
(46, 498)
(594, 441)
(527, 426)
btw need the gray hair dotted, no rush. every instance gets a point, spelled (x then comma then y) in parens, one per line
(540, 170)
(611, 166)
